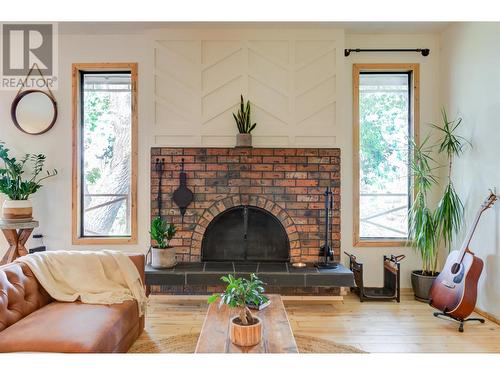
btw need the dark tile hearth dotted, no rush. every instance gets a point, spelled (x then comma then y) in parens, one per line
(218, 267)
(246, 267)
(274, 274)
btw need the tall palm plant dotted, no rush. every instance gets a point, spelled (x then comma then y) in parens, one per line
(427, 227)
(450, 209)
(422, 223)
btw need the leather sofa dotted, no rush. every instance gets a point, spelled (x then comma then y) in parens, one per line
(31, 321)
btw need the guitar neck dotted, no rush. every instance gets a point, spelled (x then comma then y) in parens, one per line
(490, 201)
(468, 238)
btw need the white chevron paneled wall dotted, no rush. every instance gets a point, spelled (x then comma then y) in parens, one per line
(291, 82)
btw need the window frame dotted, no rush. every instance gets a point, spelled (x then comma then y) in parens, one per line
(77, 237)
(357, 69)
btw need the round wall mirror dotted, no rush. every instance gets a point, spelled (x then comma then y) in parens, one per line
(34, 111)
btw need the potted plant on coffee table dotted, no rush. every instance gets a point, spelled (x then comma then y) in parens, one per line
(245, 329)
(162, 254)
(18, 189)
(245, 127)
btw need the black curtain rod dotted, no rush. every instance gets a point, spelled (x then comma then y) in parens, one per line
(423, 51)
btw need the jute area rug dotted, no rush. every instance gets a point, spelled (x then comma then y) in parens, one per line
(187, 344)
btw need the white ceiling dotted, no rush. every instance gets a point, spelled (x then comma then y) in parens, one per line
(350, 27)
(393, 27)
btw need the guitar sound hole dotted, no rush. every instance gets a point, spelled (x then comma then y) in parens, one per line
(455, 268)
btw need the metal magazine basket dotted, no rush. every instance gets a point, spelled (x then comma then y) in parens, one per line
(391, 289)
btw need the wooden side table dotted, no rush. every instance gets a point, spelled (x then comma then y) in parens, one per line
(16, 235)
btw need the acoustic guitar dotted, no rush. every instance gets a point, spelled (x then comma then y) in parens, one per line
(454, 291)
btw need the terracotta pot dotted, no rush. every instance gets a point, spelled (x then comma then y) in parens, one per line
(421, 285)
(245, 335)
(163, 258)
(243, 140)
(17, 210)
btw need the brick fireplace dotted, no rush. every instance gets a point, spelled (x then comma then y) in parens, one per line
(287, 183)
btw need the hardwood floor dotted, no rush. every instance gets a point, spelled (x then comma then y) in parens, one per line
(370, 326)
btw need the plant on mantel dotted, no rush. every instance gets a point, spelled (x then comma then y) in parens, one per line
(244, 124)
(428, 227)
(17, 188)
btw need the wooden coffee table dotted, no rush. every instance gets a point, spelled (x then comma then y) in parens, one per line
(277, 336)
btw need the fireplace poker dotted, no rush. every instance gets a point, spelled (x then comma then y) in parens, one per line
(159, 167)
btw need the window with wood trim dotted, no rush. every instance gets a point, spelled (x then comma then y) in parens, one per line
(105, 153)
(385, 119)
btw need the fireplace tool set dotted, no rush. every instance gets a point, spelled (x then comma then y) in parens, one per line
(159, 167)
(182, 196)
(326, 250)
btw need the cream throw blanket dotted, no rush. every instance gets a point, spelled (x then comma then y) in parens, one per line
(97, 277)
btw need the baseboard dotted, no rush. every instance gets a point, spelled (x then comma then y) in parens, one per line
(488, 316)
(181, 297)
(313, 298)
(290, 298)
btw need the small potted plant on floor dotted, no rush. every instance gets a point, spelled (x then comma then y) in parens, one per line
(245, 127)
(246, 329)
(162, 254)
(18, 207)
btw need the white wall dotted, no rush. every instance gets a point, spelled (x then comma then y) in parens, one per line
(52, 204)
(162, 63)
(471, 89)
(293, 77)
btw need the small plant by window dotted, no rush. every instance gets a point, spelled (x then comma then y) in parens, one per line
(12, 181)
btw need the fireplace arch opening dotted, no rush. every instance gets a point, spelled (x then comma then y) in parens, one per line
(246, 234)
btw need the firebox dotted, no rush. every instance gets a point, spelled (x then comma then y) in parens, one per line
(247, 234)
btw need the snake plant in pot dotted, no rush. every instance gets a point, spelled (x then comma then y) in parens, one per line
(429, 226)
(245, 127)
(17, 187)
(245, 329)
(162, 254)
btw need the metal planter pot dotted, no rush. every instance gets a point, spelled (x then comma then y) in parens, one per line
(243, 140)
(421, 285)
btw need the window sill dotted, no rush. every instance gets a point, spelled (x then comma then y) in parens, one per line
(380, 243)
(105, 241)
